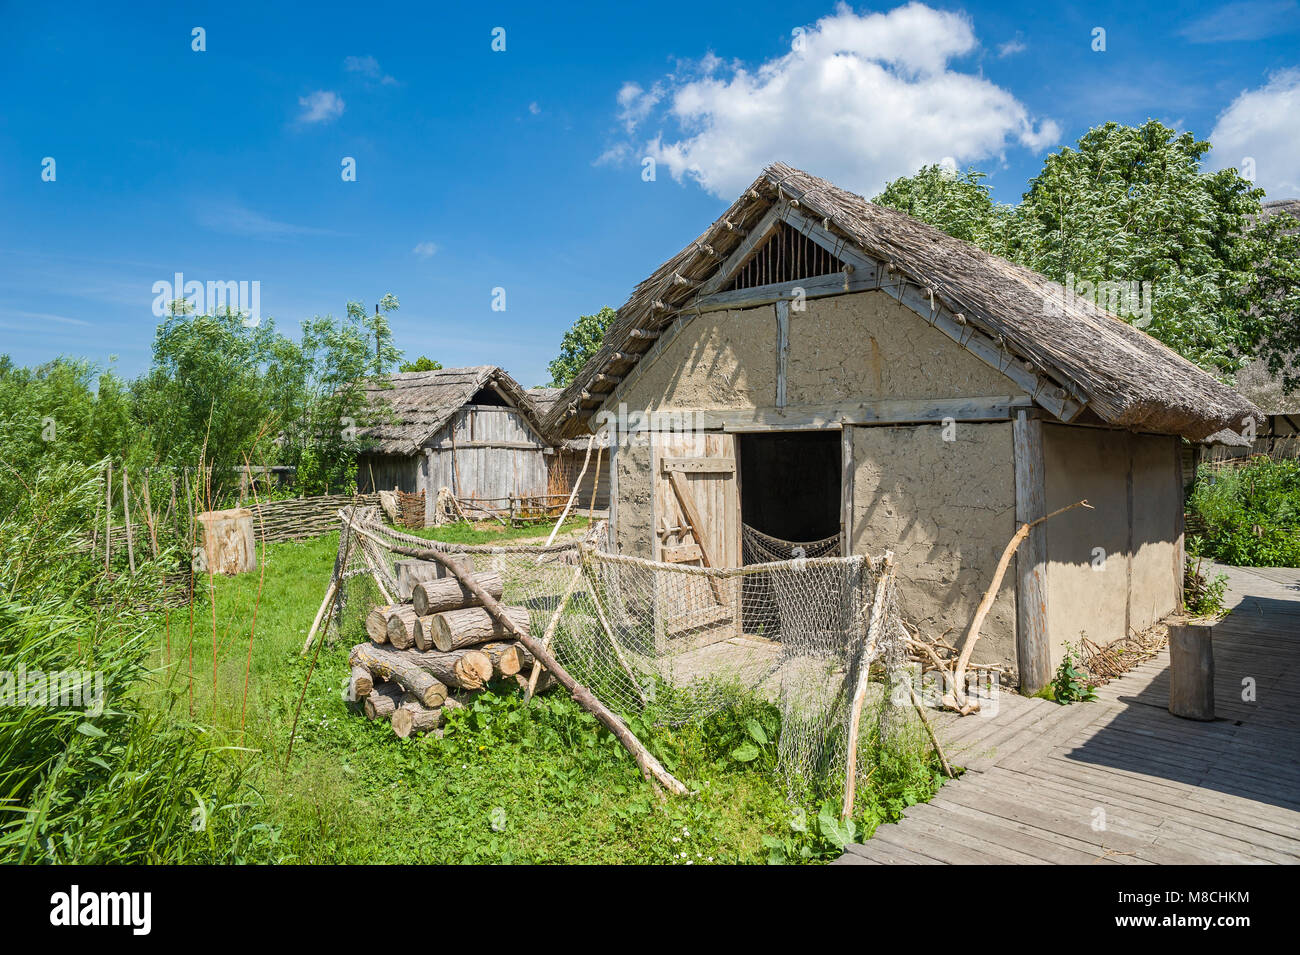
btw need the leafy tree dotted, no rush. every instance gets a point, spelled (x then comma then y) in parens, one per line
(322, 388)
(1131, 205)
(578, 345)
(206, 395)
(421, 364)
(62, 412)
(958, 203)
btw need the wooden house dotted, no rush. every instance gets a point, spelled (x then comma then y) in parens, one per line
(816, 367)
(471, 430)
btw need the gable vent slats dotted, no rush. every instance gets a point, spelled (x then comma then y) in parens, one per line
(787, 256)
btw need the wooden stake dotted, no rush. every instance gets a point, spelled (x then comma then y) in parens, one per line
(550, 631)
(108, 516)
(955, 698)
(126, 511)
(874, 629)
(651, 768)
(320, 614)
(148, 517)
(572, 494)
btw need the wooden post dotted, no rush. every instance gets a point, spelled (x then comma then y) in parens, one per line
(149, 517)
(1191, 671)
(782, 349)
(1033, 654)
(126, 512)
(876, 627)
(108, 515)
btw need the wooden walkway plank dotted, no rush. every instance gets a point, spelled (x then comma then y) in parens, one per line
(1040, 777)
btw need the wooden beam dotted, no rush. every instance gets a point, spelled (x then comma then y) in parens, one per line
(846, 491)
(1033, 652)
(706, 465)
(1179, 539)
(821, 286)
(691, 514)
(741, 253)
(782, 349)
(938, 315)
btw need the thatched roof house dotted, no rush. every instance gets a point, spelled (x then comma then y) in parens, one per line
(1072, 355)
(473, 430)
(817, 368)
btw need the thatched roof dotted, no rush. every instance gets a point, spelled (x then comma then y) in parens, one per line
(544, 399)
(1123, 376)
(420, 403)
(1290, 206)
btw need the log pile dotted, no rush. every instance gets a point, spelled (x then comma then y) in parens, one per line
(426, 653)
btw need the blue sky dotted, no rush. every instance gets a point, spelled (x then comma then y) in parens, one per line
(522, 169)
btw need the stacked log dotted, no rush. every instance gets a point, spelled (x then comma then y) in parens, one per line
(437, 641)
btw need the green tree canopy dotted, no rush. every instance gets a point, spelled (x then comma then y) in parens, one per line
(421, 364)
(1130, 205)
(579, 343)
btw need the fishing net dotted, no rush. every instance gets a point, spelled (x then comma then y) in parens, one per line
(760, 548)
(671, 642)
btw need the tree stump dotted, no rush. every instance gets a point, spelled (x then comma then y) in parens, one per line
(228, 543)
(1191, 671)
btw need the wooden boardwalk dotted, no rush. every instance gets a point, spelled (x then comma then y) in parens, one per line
(1121, 781)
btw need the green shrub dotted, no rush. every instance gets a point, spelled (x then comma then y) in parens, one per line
(1251, 514)
(1202, 596)
(1070, 685)
(101, 777)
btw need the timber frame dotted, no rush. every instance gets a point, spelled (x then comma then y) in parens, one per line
(859, 273)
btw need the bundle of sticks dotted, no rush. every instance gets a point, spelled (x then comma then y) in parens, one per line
(427, 652)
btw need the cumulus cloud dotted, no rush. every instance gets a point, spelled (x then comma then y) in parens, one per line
(425, 250)
(368, 67)
(859, 99)
(321, 106)
(1261, 128)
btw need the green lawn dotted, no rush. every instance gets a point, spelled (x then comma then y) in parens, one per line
(507, 783)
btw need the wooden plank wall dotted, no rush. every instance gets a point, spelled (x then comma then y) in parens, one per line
(487, 452)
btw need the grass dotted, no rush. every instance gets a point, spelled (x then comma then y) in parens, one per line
(507, 783)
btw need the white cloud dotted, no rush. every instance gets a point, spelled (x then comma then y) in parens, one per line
(1262, 126)
(235, 218)
(1245, 20)
(534, 109)
(863, 99)
(368, 67)
(320, 107)
(1011, 47)
(425, 250)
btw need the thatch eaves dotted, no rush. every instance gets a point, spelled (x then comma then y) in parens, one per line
(420, 403)
(1084, 354)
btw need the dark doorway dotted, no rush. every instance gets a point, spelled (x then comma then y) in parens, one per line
(790, 484)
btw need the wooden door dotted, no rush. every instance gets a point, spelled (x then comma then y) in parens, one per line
(697, 523)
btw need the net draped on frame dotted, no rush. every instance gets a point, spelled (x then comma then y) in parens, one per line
(670, 642)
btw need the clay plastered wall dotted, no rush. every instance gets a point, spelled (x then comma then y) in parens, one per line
(859, 347)
(719, 360)
(1094, 583)
(866, 346)
(1157, 501)
(635, 517)
(947, 510)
